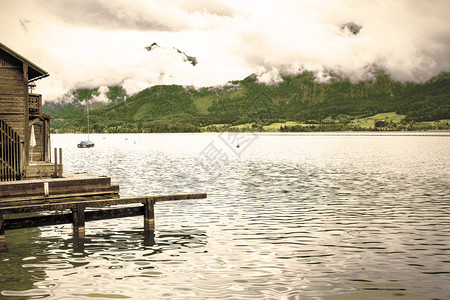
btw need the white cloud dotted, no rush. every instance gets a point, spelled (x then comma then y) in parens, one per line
(92, 43)
(269, 77)
(102, 95)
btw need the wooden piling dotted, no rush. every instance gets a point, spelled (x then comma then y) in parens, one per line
(3, 244)
(2, 228)
(149, 215)
(78, 220)
(149, 238)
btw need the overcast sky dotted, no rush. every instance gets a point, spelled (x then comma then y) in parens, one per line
(92, 43)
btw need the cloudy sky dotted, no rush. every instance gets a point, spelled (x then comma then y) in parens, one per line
(92, 43)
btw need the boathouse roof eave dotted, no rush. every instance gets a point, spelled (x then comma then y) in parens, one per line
(46, 117)
(35, 73)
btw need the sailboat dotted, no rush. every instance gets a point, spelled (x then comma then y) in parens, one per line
(88, 143)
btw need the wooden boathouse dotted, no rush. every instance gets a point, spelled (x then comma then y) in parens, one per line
(21, 118)
(31, 184)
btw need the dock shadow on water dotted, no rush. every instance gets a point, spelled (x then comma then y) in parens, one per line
(307, 216)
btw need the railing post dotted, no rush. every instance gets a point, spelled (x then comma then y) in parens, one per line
(21, 158)
(60, 163)
(56, 163)
(149, 215)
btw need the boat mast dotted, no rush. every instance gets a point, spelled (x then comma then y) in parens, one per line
(87, 108)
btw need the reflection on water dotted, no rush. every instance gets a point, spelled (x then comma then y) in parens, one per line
(331, 216)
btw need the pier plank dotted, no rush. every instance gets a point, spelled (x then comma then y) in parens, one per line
(71, 185)
(114, 190)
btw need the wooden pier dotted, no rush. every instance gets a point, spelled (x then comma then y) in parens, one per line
(73, 199)
(79, 210)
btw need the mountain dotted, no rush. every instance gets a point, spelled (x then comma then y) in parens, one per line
(300, 100)
(187, 58)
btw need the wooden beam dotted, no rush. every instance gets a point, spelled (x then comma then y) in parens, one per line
(67, 218)
(114, 190)
(96, 203)
(34, 121)
(68, 186)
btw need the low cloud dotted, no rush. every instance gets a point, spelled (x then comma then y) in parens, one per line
(102, 96)
(92, 43)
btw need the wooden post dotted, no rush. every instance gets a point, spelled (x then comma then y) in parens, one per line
(60, 163)
(149, 238)
(45, 141)
(26, 132)
(78, 220)
(149, 215)
(56, 163)
(2, 229)
(3, 245)
(78, 245)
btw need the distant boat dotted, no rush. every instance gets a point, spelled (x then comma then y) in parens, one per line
(88, 143)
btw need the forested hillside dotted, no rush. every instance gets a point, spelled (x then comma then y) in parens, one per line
(298, 103)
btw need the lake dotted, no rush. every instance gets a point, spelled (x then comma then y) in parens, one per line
(288, 216)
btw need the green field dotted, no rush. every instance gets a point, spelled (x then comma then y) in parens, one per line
(277, 126)
(216, 125)
(369, 122)
(243, 126)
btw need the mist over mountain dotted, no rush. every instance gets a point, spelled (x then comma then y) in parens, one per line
(333, 105)
(88, 44)
(184, 56)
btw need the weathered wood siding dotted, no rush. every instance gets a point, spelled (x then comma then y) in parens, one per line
(6, 61)
(37, 152)
(12, 93)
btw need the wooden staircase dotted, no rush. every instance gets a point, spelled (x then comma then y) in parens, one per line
(10, 154)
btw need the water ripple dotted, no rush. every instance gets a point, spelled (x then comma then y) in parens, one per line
(292, 217)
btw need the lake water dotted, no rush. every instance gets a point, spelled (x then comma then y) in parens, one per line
(288, 216)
